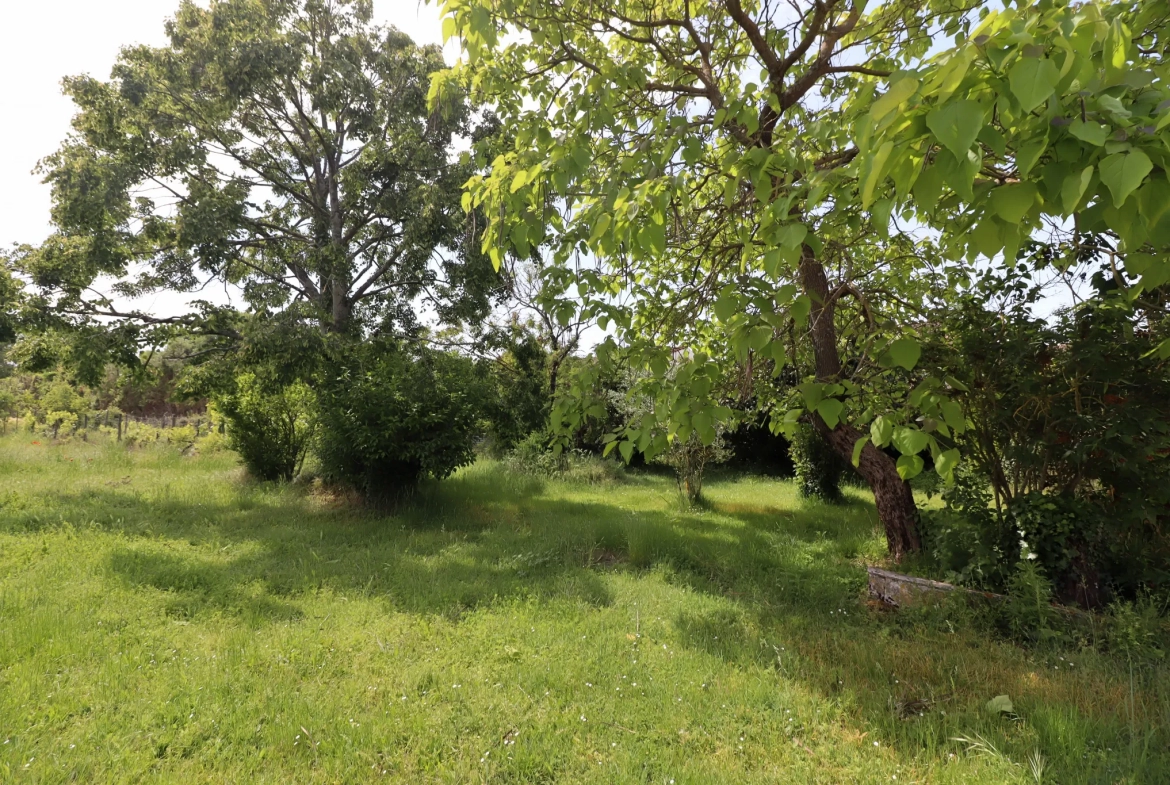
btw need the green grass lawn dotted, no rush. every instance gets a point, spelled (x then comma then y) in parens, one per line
(163, 620)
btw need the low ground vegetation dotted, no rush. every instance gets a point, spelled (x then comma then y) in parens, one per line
(165, 618)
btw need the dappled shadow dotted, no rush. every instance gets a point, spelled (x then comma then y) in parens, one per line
(788, 582)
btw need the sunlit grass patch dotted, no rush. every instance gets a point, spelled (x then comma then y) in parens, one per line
(162, 619)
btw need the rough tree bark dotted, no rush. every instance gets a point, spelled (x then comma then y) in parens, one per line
(892, 495)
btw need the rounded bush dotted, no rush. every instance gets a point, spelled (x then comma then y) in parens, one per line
(390, 417)
(270, 427)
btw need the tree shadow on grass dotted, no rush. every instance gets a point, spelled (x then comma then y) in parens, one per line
(790, 587)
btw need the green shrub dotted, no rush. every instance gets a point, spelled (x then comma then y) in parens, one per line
(390, 417)
(58, 424)
(532, 455)
(968, 541)
(1069, 427)
(520, 400)
(818, 467)
(689, 458)
(270, 426)
(1137, 629)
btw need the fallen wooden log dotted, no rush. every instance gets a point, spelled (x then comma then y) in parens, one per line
(897, 590)
(894, 588)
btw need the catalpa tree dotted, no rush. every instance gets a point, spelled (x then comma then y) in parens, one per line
(1049, 120)
(738, 167)
(700, 156)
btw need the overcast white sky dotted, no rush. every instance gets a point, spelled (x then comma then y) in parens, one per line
(46, 40)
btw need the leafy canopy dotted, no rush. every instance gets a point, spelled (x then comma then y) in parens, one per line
(283, 147)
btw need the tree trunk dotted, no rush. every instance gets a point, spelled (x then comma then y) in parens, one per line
(892, 496)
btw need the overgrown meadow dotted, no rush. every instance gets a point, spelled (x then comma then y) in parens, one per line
(162, 619)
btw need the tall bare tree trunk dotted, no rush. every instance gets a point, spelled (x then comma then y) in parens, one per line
(891, 494)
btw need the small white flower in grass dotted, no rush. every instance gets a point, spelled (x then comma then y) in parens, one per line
(582, 718)
(877, 744)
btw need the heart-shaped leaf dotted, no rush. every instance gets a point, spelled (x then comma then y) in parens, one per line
(1122, 173)
(909, 466)
(910, 441)
(830, 411)
(956, 125)
(1092, 132)
(1000, 704)
(946, 462)
(1032, 80)
(881, 430)
(1073, 189)
(1012, 202)
(905, 352)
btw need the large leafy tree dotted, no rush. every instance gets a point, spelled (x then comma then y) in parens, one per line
(700, 154)
(283, 148)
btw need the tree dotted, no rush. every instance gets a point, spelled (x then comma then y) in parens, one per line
(1050, 120)
(283, 147)
(10, 302)
(702, 155)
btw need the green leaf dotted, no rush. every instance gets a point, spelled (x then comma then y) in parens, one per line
(519, 180)
(600, 227)
(881, 430)
(1000, 704)
(726, 307)
(830, 411)
(897, 94)
(1073, 189)
(800, 309)
(626, 448)
(1113, 106)
(953, 416)
(1032, 80)
(1161, 351)
(1012, 202)
(905, 352)
(909, 466)
(956, 126)
(792, 235)
(704, 426)
(858, 446)
(946, 462)
(1122, 173)
(910, 441)
(1029, 154)
(877, 167)
(812, 393)
(759, 338)
(448, 28)
(1092, 132)
(928, 187)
